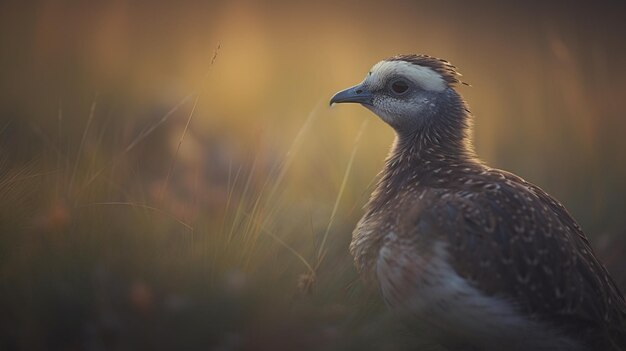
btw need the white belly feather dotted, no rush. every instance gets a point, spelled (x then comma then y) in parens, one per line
(427, 291)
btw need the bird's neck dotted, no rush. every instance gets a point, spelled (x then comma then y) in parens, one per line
(422, 157)
(426, 149)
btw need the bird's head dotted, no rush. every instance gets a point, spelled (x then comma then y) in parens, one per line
(406, 91)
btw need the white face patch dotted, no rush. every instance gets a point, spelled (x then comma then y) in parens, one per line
(424, 77)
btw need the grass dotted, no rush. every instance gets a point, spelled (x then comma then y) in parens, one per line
(94, 259)
(193, 109)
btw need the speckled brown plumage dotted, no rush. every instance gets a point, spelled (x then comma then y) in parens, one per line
(506, 237)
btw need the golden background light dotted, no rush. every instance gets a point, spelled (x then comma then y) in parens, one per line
(264, 157)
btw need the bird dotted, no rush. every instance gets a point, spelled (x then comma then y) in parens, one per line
(474, 257)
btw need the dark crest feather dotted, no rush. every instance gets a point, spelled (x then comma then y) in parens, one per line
(443, 67)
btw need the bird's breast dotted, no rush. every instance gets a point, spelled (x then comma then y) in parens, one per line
(409, 275)
(421, 286)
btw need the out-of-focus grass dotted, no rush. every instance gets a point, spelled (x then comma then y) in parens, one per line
(96, 255)
(114, 234)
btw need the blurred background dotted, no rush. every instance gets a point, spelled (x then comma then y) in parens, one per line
(152, 199)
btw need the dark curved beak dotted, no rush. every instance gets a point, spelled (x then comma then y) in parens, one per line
(356, 94)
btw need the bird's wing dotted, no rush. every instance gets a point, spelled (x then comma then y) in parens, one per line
(511, 239)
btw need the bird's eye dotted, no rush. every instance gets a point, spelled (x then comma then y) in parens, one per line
(399, 87)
